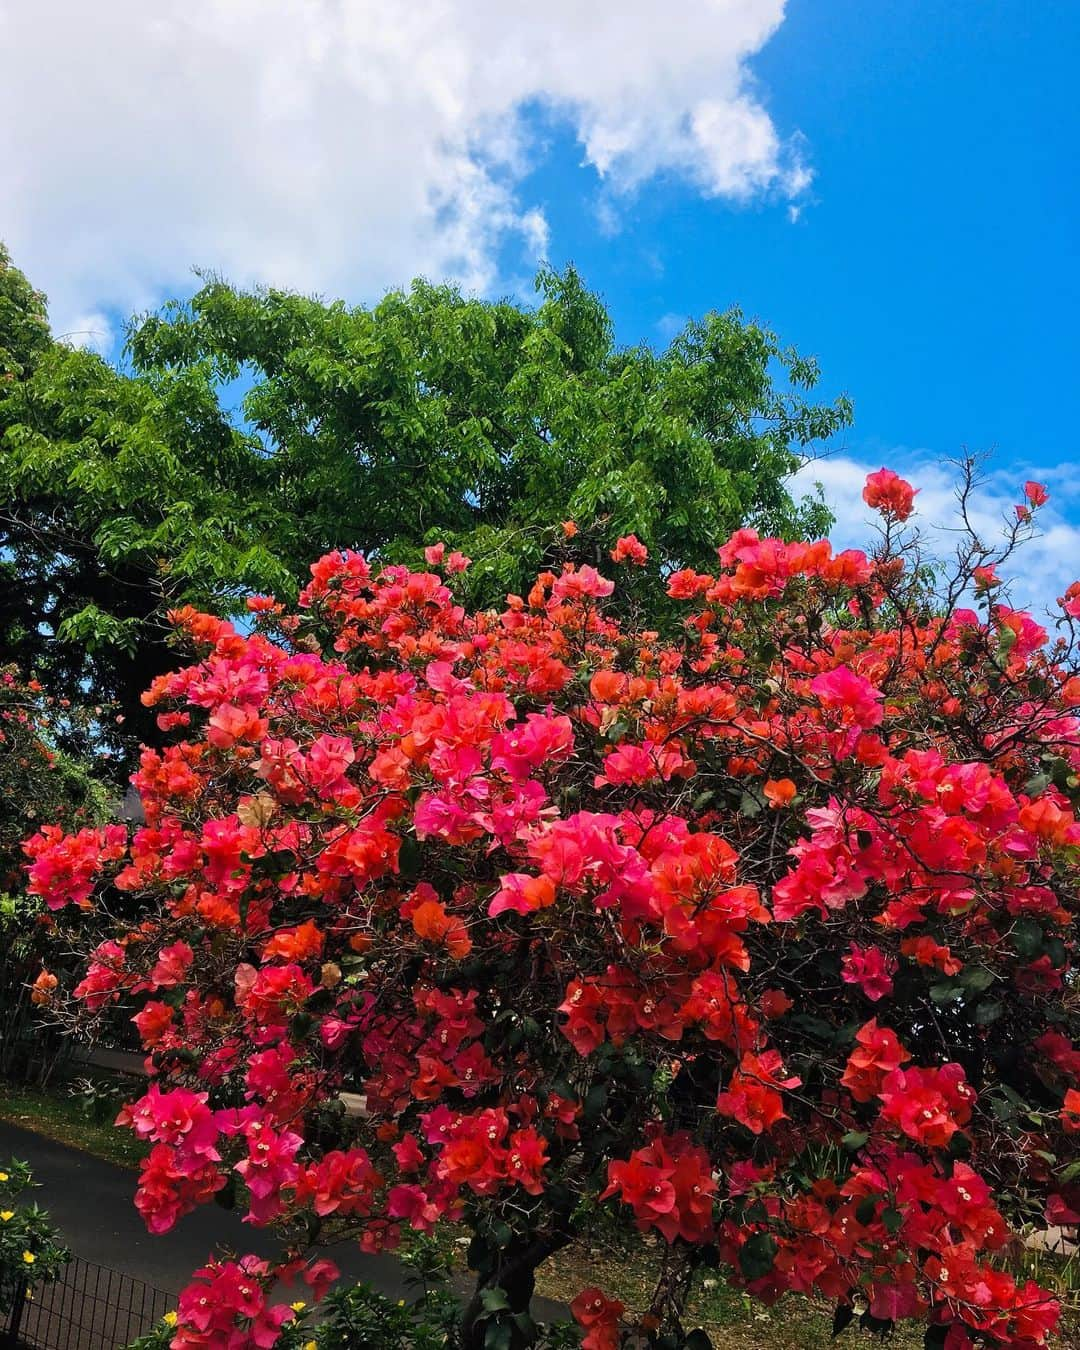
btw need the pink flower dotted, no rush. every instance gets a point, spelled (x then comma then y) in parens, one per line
(522, 894)
(538, 742)
(1036, 493)
(870, 969)
(172, 966)
(842, 688)
(581, 583)
(179, 1118)
(269, 1166)
(327, 761)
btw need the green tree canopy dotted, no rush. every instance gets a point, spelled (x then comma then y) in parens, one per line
(249, 432)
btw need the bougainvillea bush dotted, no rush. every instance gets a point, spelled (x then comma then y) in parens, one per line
(758, 935)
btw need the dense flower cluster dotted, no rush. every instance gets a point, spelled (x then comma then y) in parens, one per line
(760, 934)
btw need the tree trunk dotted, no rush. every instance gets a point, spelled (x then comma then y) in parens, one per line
(516, 1278)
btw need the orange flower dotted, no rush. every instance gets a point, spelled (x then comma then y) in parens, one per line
(42, 989)
(432, 923)
(779, 792)
(607, 686)
(295, 944)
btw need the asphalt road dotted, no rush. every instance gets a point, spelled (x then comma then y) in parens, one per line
(91, 1203)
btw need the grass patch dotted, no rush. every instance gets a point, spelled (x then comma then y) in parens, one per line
(732, 1320)
(73, 1120)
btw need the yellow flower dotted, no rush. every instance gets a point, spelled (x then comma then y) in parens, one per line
(3, 1176)
(298, 1306)
(7, 1214)
(170, 1319)
(29, 1258)
(310, 1345)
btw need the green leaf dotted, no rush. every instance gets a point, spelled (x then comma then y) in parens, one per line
(502, 1235)
(855, 1140)
(498, 1336)
(526, 1326)
(756, 1256)
(409, 858)
(494, 1299)
(595, 1101)
(1037, 784)
(1027, 937)
(976, 978)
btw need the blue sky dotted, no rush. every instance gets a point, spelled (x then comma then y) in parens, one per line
(933, 268)
(892, 187)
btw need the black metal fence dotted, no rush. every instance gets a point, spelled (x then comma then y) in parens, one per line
(88, 1308)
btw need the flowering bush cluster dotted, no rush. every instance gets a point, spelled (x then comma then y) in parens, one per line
(359, 1317)
(759, 934)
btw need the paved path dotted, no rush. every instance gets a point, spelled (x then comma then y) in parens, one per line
(91, 1203)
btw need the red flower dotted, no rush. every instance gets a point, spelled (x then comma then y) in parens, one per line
(752, 1096)
(583, 790)
(877, 1053)
(599, 1315)
(522, 894)
(775, 1003)
(929, 1105)
(630, 549)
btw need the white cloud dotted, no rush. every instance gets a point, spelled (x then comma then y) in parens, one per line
(1044, 566)
(669, 325)
(94, 331)
(345, 145)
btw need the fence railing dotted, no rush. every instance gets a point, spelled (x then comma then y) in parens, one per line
(89, 1307)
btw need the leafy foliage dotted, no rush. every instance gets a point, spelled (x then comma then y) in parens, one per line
(253, 431)
(30, 1250)
(760, 937)
(39, 782)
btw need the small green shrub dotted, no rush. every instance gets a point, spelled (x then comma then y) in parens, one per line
(30, 1250)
